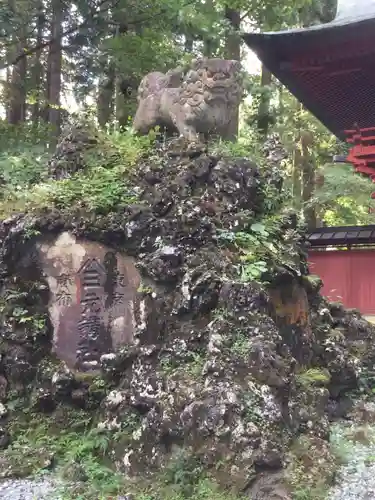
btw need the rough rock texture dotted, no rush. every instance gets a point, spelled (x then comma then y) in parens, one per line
(203, 99)
(217, 367)
(69, 156)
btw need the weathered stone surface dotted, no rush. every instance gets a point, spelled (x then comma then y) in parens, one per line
(204, 99)
(68, 158)
(270, 486)
(93, 298)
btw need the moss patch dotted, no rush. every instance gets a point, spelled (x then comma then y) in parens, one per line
(313, 377)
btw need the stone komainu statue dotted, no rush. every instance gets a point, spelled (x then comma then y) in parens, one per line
(202, 100)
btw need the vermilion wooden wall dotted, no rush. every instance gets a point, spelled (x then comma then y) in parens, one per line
(348, 277)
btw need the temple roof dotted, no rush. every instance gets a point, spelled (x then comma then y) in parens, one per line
(330, 67)
(342, 236)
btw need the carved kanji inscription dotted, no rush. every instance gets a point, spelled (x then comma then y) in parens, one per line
(93, 295)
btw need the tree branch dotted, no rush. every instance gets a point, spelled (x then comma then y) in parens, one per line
(40, 46)
(27, 51)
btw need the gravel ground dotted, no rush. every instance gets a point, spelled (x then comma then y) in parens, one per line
(356, 479)
(27, 489)
(43, 488)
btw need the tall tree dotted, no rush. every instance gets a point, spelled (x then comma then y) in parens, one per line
(233, 51)
(264, 115)
(54, 68)
(17, 90)
(37, 65)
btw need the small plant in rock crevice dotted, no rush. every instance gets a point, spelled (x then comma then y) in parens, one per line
(18, 310)
(261, 246)
(192, 366)
(241, 344)
(252, 412)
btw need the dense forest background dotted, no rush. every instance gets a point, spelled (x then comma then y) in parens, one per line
(60, 58)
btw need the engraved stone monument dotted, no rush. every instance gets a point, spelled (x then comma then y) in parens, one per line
(94, 303)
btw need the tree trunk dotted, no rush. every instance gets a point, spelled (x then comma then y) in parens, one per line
(296, 177)
(189, 43)
(120, 105)
(17, 102)
(233, 51)
(37, 71)
(308, 179)
(8, 92)
(264, 105)
(105, 102)
(209, 42)
(124, 87)
(54, 70)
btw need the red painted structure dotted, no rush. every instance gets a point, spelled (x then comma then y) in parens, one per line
(348, 276)
(362, 152)
(344, 257)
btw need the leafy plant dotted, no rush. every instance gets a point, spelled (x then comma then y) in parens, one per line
(102, 186)
(260, 248)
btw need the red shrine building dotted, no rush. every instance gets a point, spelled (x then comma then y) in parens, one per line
(344, 258)
(330, 68)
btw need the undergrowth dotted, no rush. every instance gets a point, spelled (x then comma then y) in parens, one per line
(102, 186)
(311, 470)
(69, 444)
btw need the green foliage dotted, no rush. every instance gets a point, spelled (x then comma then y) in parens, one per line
(205, 489)
(183, 478)
(345, 197)
(192, 367)
(243, 148)
(82, 453)
(241, 345)
(78, 449)
(102, 186)
(261, 247)
(16, 312)
(341, 446)
(254, 247)
(311, 470)
(23, 156)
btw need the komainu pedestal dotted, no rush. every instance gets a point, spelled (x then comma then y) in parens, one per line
(93, 303)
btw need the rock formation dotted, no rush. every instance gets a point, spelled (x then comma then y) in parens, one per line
(213, 367)
(201, 100)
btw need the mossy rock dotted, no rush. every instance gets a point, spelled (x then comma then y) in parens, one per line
(313, 377)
